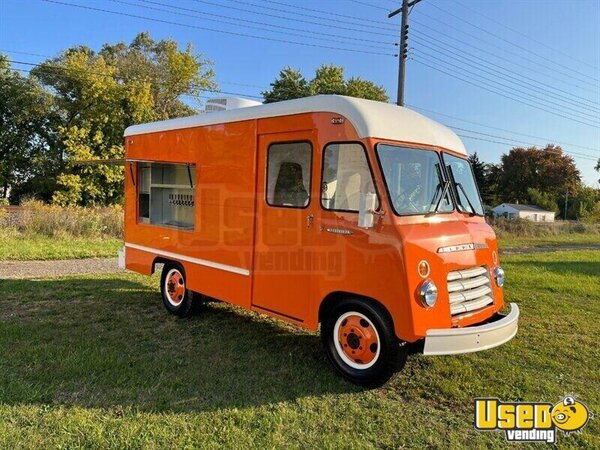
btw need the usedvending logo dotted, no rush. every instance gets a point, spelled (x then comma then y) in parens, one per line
(531, 421)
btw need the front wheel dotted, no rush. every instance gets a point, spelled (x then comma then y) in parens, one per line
(360, 342)
(176, 297)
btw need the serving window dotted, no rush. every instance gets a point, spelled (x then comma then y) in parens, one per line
(166, 194)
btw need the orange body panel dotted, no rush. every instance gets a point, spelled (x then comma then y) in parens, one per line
(284, 261)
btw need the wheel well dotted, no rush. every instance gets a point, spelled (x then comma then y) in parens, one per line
(332, 298)
(160, 260)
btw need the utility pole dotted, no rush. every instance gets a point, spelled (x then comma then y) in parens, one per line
(403, 50)
(566, 199)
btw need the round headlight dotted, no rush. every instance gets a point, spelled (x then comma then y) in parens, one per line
(428, 293)
(499, 276)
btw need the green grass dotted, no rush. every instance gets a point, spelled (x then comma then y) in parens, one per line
(95, 362)
(16, 246)
(565, 239)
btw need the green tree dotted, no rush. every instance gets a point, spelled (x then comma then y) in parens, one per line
(484, 179)
(100, 94)
(25, 115)
(357, 87)
(328, 79)
(290, 84)
(548, 170)
(542, 199)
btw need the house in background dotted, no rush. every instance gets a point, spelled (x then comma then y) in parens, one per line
(513, 211)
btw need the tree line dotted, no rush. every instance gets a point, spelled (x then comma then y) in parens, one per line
(546, 177)
(75, 107)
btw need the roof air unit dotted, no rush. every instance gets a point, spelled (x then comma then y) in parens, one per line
(227, 103)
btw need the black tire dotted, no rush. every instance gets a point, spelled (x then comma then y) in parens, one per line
(178, 300)
(377, 364)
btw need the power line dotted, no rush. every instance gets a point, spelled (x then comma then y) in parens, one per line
(547, 73)
(62, 72)
(237, 20)
(232, 33)
(442, 44)
(525, 49)
(369, 4)
(464, 136)
(310, 16)
(533, 144)
(502, 94)
(286, 17)
(513, 30)
(504, 129)
(478, 38)
(517, 82)
(506, 141)
(50, 57)
(335, 14)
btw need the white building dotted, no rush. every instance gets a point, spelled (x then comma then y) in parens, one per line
(515, 211)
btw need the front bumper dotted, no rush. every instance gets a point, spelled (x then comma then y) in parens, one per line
(452, 341)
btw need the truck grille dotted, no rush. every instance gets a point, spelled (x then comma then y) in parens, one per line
(469, 290)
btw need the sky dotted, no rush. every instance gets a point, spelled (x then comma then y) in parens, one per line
(501, 73)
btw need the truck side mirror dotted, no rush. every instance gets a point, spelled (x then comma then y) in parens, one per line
(366, 210)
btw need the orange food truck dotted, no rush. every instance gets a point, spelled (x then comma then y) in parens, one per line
(359, 216)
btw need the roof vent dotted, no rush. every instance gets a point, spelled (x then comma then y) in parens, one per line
(227, 103)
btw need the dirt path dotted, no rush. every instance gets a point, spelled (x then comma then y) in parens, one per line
(41, 269)
(545, 249)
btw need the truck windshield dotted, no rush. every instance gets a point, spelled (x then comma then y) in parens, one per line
(465, 188)
(415, 180)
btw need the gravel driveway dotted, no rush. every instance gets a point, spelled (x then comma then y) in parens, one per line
(57, 268)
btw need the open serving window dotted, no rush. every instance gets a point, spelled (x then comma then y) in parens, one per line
(166, 194)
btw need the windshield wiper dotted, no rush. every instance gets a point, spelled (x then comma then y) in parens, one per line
(473, 213)
(444, 187)
(458, 185)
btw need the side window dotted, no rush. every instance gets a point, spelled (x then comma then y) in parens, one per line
(166, 194)
(288, 174)
(346, 175)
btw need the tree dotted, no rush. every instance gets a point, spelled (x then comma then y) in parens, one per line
(99, 94)
(328, 79)
(290, 84)
(482, 172)
(597, 168)
(544, 200)
(548, 170)
(25, 114)
(357, 87)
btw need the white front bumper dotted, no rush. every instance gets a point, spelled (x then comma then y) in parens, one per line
(451, 341)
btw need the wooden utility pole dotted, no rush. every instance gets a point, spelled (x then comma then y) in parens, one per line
(403, 51)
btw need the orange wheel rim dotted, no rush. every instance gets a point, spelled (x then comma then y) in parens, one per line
(358, 339)
(175, 287)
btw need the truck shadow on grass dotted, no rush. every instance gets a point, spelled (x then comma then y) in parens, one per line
(108, 342)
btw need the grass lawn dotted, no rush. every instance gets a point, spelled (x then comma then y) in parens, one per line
(96, 362)
(15, 246)
(565, 239)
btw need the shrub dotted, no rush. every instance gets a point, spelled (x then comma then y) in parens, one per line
(526, 228)
(35, 217)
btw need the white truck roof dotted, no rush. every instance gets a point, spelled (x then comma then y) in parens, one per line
(369, 118)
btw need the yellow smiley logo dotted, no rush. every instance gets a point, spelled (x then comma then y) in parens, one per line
(570, 415)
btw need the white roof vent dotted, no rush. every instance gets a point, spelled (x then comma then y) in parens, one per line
(227, 103)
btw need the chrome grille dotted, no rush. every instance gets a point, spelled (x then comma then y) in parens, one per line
(469, 290)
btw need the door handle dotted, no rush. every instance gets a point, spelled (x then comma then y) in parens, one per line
(309, 220)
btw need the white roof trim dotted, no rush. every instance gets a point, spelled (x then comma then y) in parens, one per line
(369, 118)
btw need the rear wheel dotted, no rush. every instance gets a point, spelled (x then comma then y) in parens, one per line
(360, 342)
(176, 297)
